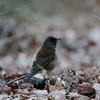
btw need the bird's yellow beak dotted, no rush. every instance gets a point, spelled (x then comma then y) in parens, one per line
(58, 39)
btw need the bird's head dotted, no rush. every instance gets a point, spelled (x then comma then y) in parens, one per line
(51, 41)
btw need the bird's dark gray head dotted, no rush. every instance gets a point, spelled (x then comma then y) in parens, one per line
(51, 41)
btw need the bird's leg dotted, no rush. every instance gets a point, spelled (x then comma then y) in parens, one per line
(49, 76)
(44, 77)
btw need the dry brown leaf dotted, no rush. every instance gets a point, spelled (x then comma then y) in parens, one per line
(81, 97)
(85, 88)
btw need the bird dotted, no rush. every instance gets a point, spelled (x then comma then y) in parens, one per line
(46, 58)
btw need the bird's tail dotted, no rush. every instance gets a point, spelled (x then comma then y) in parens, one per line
(32, 72)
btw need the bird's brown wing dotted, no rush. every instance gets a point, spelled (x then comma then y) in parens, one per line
(43, 63)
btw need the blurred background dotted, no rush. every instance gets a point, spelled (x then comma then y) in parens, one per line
(25, 24)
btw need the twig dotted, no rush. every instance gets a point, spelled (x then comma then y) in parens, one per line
(96, 16)
(17, 57)
(16, 79)
(70, 66)
(33, 52)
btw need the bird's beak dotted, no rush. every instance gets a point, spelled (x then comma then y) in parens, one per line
(58, 39)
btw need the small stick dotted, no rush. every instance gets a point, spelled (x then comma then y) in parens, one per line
(96, 16)
(16, 79)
